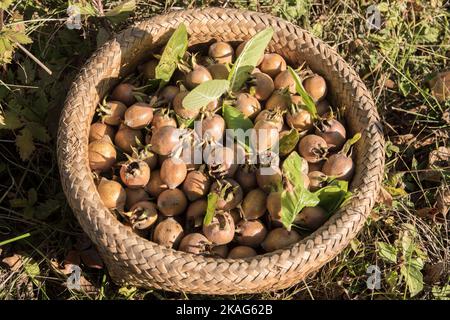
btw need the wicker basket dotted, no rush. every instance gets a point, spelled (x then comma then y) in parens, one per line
(137, 261)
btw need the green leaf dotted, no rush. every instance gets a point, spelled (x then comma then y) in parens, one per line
(25, 144)
(27, 73)
(128, 292)
(85, 8)
(396, 192)
(5, 43)
(185, 123)
(45, 209)
(390, 148)
(441, 293)
(8, 42)
(38, 131)
(333, 195)
(235, 119)
(19, 37)
(211, 208)
(387, 251)
(295, 196)
(204, 93)
(310, 106)
(32, 269)
(172, 54)
(288, 142)
(407, 243)
(392, 279)
(5, 51)
(413, 279)
(431, 34)
(121, 11)
(350, 142)
(11, 121)
(249, 57)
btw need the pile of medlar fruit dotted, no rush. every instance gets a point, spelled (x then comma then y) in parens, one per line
(142, 161)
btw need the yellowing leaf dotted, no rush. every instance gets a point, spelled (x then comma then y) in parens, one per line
(387, 252)
(32, 270)
(4, 4)
(121, 11)
(11, 121)
(85, 8)
(20, 37)
(25, 144)
(441, 293)
(413, 279)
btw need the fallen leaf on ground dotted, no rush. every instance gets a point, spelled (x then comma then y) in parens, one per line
(440, 86)
(403, 139)
(446, 116)
(430, 213)
(438, 160)
(433, 272)
(419, 109)
(424, 142)
(384, 197)
(413, 140)
(443, 201)
(13, 262)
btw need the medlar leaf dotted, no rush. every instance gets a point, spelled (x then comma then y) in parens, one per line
(310, 106)
(294, 196)
(205, 93)
(249, 57)
(172, 54)
(333, 195)
(288, 143)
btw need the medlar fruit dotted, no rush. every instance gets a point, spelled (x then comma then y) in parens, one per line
(172, 202)
(168, 233)
(173, 172)
(135, 174)
(241, 252)
(221, 229)
(279, 238)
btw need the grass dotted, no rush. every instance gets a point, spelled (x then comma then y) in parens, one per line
(406, 237)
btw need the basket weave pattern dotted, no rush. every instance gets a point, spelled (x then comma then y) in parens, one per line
(138, 261)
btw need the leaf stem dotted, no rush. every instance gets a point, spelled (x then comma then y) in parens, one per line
(28, 53)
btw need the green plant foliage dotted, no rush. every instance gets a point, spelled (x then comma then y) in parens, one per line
(294, 196)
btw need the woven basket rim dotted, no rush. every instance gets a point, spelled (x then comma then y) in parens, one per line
(138, 261)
